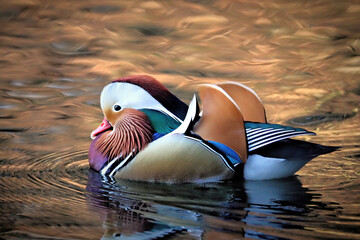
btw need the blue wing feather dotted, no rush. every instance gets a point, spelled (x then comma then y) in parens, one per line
(231, 154)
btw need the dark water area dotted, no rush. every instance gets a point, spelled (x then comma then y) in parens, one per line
(301, 57)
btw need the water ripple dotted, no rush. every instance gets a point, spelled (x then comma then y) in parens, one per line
(64, 172)
(301, 57)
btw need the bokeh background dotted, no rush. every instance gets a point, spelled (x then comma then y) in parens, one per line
(301, 57)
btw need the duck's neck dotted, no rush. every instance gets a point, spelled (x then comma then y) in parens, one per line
(161, 122)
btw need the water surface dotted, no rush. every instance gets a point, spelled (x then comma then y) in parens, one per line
(301, 57)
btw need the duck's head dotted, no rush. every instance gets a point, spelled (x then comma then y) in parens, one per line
(127, 127)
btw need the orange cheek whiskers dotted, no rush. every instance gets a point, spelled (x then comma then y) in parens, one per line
(131, 133)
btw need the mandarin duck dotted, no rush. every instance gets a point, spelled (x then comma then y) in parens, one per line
(148, 134)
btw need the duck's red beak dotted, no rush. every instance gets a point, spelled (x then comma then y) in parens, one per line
(104, 126)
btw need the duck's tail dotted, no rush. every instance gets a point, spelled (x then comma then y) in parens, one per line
(282, 159)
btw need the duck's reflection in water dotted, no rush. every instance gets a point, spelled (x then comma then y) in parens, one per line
(131, 210)
(127, 214)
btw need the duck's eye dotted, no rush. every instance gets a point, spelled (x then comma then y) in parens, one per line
(117, 108)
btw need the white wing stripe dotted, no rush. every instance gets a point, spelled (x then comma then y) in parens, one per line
(262, 143)
(256, 138)
(120, 165)
(258, 131)
(105, 169)
(249, 130)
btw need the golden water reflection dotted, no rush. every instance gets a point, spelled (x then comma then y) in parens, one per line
(301, 57)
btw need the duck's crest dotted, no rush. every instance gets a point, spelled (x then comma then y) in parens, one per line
(159, 92)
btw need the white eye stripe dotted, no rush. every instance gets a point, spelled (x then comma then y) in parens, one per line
(128, 95)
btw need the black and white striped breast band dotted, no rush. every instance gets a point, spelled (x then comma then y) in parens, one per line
(109, 170)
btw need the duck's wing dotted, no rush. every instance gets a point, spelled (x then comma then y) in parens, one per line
(221, 120)
(247, 100)
(258, 132)
(261, 134)
(186, 128)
